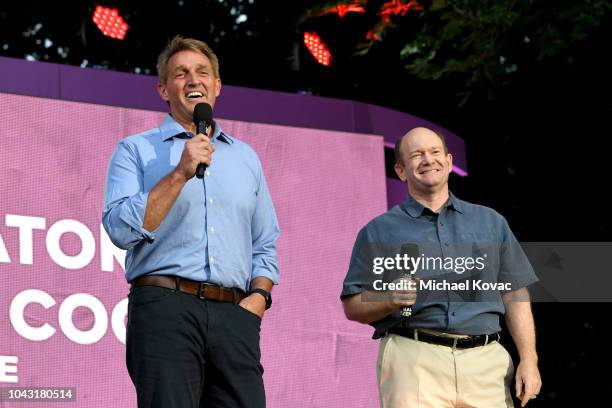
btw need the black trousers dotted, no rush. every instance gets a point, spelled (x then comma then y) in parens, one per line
(185, 352)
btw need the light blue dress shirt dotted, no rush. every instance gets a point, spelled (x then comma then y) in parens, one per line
(222, 229)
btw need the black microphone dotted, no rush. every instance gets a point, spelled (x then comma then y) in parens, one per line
(410, 250)
(202, 118)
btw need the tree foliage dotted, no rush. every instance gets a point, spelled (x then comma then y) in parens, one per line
(481, 44)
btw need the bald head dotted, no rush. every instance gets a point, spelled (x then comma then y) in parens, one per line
(417, 132)
(423, 162)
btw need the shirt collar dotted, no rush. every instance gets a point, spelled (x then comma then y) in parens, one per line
(415, 209)
(454, 203)
(171, 128)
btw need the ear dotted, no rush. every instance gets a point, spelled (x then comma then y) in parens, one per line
(449, 159)
(217, 87)
(163, 93)
(399, 170)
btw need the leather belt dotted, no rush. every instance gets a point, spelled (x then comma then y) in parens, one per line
(203, 290)
(454, 342)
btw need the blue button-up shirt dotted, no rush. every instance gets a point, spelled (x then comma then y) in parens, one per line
(221, 229)
(460, 230)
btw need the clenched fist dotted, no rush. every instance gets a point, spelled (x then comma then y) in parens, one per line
(197, 150)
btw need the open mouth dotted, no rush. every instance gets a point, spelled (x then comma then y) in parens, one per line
(194, 95)
(429, 171)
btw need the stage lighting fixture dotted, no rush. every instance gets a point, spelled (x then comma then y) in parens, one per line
(317, 48)
(110, 22)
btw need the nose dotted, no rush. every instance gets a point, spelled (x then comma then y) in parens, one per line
(191, 79)
(427, 158)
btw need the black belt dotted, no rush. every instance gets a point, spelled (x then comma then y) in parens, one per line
(458, 343)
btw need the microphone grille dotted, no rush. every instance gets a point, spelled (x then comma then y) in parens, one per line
(202, 113)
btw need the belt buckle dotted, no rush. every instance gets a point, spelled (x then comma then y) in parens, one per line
(201, 291)
(466, 343)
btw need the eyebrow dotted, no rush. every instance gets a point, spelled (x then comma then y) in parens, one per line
(427, 149)
(198, 67)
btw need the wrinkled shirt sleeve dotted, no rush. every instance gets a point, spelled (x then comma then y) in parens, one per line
(515, 267)
(125, 201)
(265, 232)
(354, 279)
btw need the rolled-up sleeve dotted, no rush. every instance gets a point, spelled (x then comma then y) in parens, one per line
(125, 201)
(265, 232)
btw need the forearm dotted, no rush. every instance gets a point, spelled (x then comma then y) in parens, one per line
(520, 323)
(367, 311)
(262, 282)
(161, 199)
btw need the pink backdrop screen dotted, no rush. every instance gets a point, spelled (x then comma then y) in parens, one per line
(62, 289)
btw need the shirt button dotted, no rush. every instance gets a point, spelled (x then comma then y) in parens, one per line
(452, 314)
(208, 173)
(210, 200)
(212, 259)
(212, 229)
(446, 244)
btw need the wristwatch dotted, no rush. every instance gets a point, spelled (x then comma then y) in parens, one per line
(266, 295)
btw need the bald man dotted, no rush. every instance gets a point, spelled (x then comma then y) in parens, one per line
(440, 347)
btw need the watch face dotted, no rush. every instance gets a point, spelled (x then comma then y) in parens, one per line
(269, 301)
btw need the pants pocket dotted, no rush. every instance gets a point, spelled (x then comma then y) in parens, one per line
(146, 295)
(247, 312)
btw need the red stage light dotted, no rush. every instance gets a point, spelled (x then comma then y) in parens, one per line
(317, 48)
(354, 7)
(110, 22)
(399, 7)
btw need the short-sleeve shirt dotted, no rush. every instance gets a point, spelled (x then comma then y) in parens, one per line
(460, 231)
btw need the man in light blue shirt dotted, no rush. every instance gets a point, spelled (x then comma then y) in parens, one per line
(201, 253)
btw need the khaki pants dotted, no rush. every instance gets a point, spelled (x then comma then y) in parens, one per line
(417, 374)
